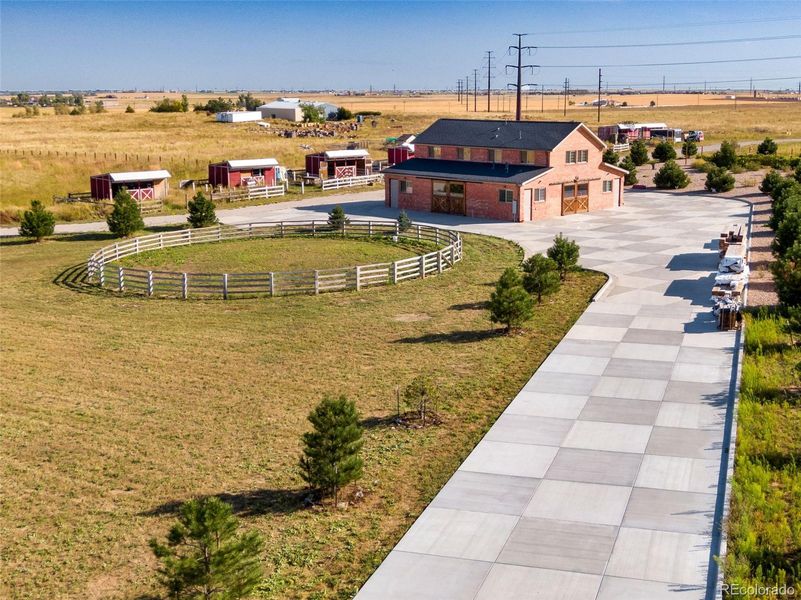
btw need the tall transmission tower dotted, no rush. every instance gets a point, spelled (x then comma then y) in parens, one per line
(459, 91)
(467, 92)
(567, 92)
(519, 67)
(489, 68)
(599, 95)
(475, 90)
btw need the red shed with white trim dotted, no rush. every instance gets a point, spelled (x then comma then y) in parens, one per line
(247, 172)
(141, 185)
(339, 163)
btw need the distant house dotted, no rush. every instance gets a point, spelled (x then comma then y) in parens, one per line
(142, 185)
(506, 170)
(291, 109)
(248, 172)
(238, 116)
(339, 163)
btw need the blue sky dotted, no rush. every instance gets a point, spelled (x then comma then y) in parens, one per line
(352, 45)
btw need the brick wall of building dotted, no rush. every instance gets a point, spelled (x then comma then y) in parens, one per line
(481, 155)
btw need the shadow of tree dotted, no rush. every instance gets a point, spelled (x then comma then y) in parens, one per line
(454, 337)
(482, 305)
(248, 503)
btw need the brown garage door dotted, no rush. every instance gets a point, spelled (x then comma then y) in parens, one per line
(575, 198)
(448, 197)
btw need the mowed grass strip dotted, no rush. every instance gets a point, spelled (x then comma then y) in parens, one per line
(764, 547)
(276, 254)
(117, 408)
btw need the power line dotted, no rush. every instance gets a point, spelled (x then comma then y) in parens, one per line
(692, 43)
(667, 64)
(663, 27)
(519, 67)
(674, 83)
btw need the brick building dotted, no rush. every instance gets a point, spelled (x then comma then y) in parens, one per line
(506, 170)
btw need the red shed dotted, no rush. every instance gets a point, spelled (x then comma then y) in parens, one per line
(339, 163)
(249, 172)
(397, 154)
(142, 185)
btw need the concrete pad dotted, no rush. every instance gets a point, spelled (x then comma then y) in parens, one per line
(706, 356)
(676, 473)
(659, 323)
(585, 348)
(595, 332)
(692, 416)
(561, 406)
(630, 387)
(680, 310)
(639, 369)
(522, 429)
(605, 320)
(458, 534)
(653, 336)
(687, 443)
(713, 339)
(392, 580)
(613, 309)
(698, 373)
(580, 502)
(595, 466)
(668, 510)
(511, 581)
(557, 383)
(614, 437)
(716, 394)
(651, 352)
(502, 458)
(620, 410)
(665, 556)
(561, 545)
(616, 588)
(484, 492)
(569, 363)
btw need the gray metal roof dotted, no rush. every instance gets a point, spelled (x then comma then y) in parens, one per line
(462, 170)
(485, 133)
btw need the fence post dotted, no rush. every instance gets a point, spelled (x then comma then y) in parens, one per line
(436, 236)
(453, 246)
(272, 283)
(150, 283)
(225, 286)
(102, 274)
(418, 232)
(316, 281)
(161, 240)
(117, 251)
(136, 244)
(358, 277)
(250, 230)
(185, 286)
(394, 272)
(189, 236)
(397, 229)
(422, 265)
(219, 232)
(282, 229)
(121, 278)
(439, 261)
(370, 228)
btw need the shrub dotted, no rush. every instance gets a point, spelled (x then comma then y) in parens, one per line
(652, 103)
(726, 157)
(719, 180)
(125, 217)
(419, 395)
(631, 176)
(788, 233)
(337, 218)
(540, 276)
(129, 109)
(343, 114)
(671, 177)
(638, 153)
(611, 157)
(168, 106)
(248, 102)
(312, 113)
(331, 450)
(787, 276)
(689, 148)
(38, 222)
(404, 222)
(215, 105)
(201, 211)
(767, 146)
(205, 557)
(62, 109)
(786, 204)
(664, 151)
(369, 113)
(797, 173)
(565, 253)
(510, 304)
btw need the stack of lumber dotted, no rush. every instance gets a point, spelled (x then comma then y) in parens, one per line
(731, 278)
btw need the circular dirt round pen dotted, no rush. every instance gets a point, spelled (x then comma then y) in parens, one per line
(105, 270)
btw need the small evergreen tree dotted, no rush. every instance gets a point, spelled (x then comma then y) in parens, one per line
(726, 157)
(205, 557)
(38, 222)
(419, 395)
(631, 176)
(788, 233)
(689, 148)
(331, 450)
(125, 217)
(510, 304)
(184, 103)
(771, 180)
(767, 146)
(540, 276)
(797, 173)
(404, 222)
(719, 180)
(671, 177)
(664, 151)
(129, 109)
(787, 276)
(343, 114)
(786, 203)
(201, 211)
(337, 218)
(565, 253)
(611, 157)
(638, 152)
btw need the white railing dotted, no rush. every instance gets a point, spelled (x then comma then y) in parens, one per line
(620, 147)
(106, 271)
(336, 183)
(248, 193)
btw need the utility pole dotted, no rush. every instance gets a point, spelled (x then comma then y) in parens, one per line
(475, 90)
(663, 84)
(599, 95)
(467, 93)
(542, 98)
(567, 89)
(520, 66)
(459, 91)
(489, 77)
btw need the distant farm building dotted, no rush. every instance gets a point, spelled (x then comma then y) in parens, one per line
(141, 185)
(339, 163)
(291, 109)
(249, 172)
(400, 149)
(238, 116)
(628, 132)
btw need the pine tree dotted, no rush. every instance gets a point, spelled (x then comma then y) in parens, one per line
(664, 151)
(337, 219)
(565, 253)
(767, 146)
(540, 276)
(125, 218)
(611, 157)
(638, 153)
(787, 276)
(419, 395)
(404, 222)
(689, 148)
(719, 180)
(631, 176)
(331, 450)
(510, 304)
(38, 222)
(201, 211)
(205, 557)
(671, 177)
(727, 155)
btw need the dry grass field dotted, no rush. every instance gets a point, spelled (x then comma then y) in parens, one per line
(117, 408)
(52, 155)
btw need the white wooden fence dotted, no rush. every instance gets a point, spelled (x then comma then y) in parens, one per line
(620, 147)
(105, 270)
(341, 182)
(248, 193)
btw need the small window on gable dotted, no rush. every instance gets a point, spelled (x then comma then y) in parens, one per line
(506, 196)
(539, 195)
(570, 157)
(583, 155)
(607, 185)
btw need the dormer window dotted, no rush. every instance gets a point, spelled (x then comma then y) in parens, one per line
(493, 155)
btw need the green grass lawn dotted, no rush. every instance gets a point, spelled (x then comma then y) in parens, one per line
(116, 408)
(287, 254)
(765, 525)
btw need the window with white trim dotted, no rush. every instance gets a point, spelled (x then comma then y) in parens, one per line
(539, 194)
(506, 196)
(570, 157)
(607, 185)
(405, 187)
(583, 156)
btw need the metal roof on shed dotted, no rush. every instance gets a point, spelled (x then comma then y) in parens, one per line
(252, 163)
(486, 133)
(359, 153)
(139, 176)
(467, 171)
